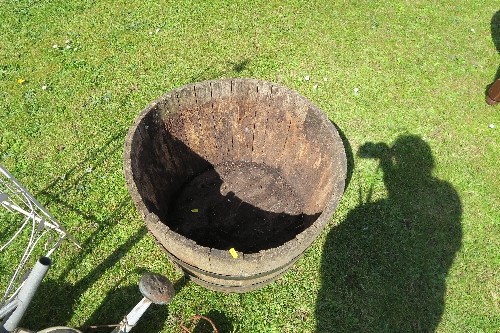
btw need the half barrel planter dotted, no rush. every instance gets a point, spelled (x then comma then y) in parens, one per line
(235, 178)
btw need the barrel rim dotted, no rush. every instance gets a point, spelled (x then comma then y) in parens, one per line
(219, 261)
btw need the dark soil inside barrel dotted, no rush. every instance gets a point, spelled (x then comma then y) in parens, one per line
(243, 205)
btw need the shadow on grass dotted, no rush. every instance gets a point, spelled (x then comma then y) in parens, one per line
(229, 69)
(124, 299)
(55, 300)
(348, 153)
(495, 36)
(220, 320)
(77, 177)
(384, 267)
(56, 308)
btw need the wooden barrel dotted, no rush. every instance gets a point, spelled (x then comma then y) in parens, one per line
(234, 178)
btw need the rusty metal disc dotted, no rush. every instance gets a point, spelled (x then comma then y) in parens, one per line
(157, 288)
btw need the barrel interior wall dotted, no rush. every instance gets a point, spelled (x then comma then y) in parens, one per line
(264, 129)
(233, 165)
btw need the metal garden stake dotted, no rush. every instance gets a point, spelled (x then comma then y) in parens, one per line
(156, 289)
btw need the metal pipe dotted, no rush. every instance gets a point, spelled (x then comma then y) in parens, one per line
(133, 317)
(26, 294)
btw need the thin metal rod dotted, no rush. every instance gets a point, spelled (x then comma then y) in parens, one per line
(8, 308)
(31, 199)
(33, 216)
(24, 259)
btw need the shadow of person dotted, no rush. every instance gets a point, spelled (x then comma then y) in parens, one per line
(384, 267)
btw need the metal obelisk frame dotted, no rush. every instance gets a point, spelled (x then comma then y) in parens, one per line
(31, 224)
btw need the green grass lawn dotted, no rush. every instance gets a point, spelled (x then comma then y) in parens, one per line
(414, 244)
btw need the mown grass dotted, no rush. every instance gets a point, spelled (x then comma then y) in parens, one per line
(420, 69)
